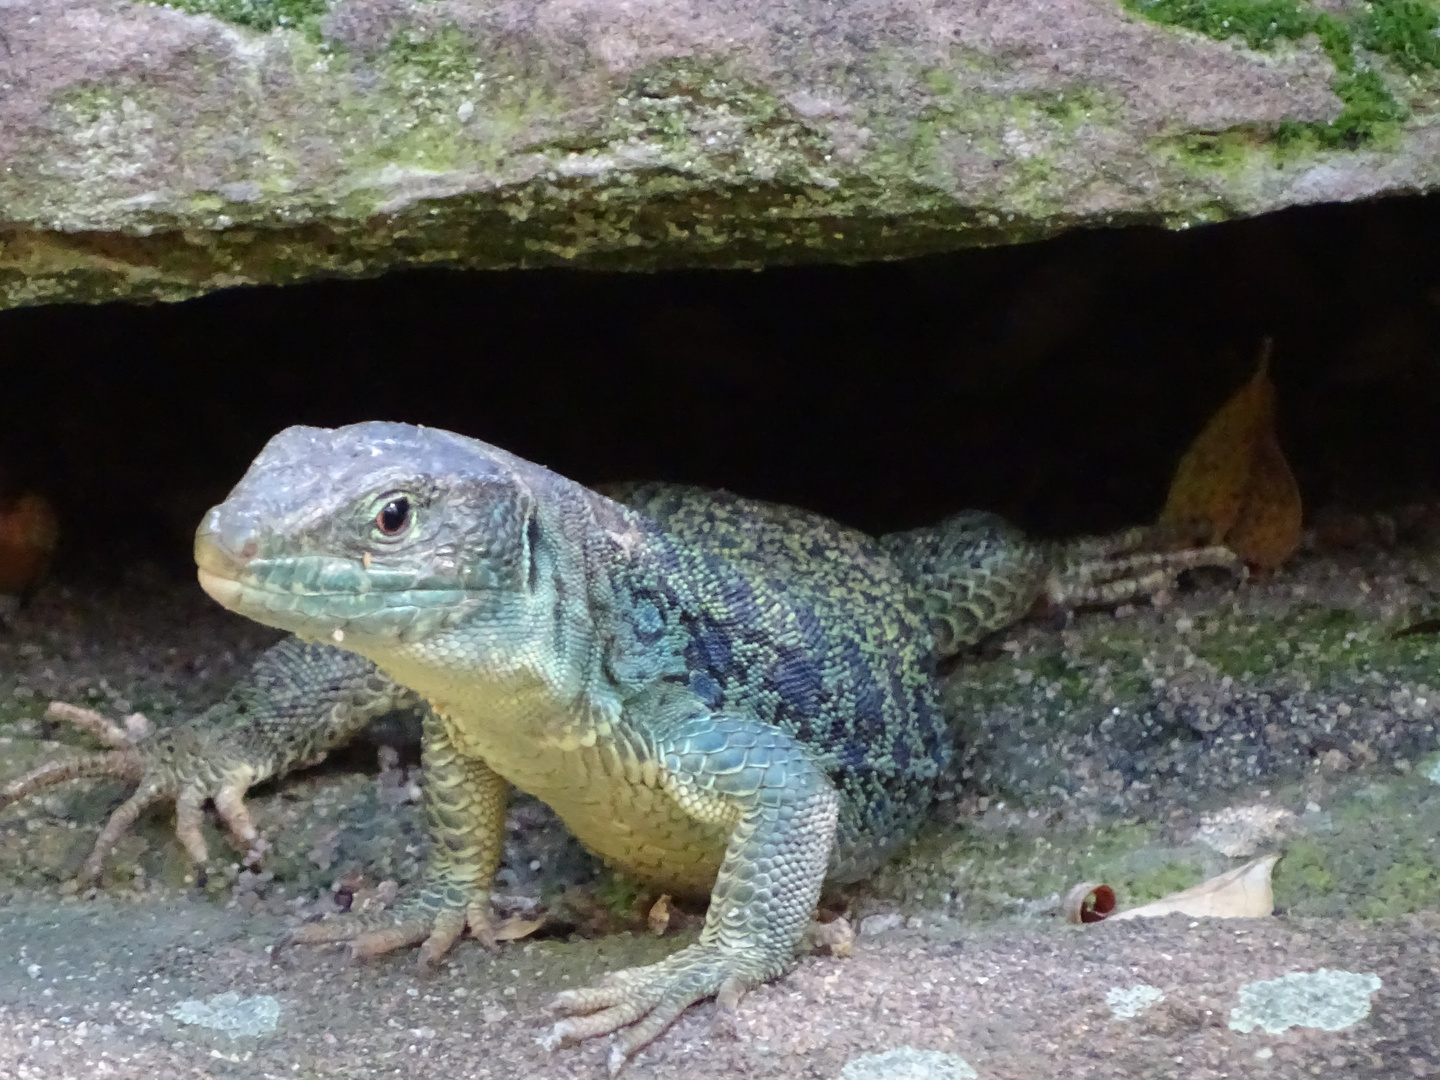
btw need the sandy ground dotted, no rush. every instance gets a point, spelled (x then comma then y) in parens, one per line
(976, 962)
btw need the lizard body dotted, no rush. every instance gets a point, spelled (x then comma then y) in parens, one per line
(708, 690)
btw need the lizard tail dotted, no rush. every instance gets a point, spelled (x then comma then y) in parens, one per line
(976, 572)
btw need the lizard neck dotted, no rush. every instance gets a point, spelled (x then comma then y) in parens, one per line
(537, 667)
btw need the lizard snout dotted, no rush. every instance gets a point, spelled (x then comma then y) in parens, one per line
(222, 550)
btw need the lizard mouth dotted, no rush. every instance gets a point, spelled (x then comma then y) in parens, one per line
(318, 596)
(310, 596)
(224, 591)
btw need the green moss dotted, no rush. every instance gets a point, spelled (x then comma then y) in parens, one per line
(430, 58)
(261, 15)
(940, 81)
(1303, 873)
(1260, 24)
(1375, 855)
(621, 895)
(1371, 114)
(1167, 878)
(1060, 685)
(1325, 648)
(1221, 151)
(1406, 886)
(1402, 30)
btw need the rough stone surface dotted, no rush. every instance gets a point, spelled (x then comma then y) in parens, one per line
(153, 153)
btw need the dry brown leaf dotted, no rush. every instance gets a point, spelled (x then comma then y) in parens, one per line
(1242, 893)
(1268, 530)
(513, 928)
(833, 938)
(29, 532)
(1088, 902)
(659, 917)
(1233, 485)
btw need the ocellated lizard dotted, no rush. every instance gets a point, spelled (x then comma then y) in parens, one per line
(716, 694)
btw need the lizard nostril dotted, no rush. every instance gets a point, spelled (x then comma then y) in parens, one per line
(222, 547)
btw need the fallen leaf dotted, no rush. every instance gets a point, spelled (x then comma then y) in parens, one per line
(659, 917)
(513, 928)
(1088, 902)
(29, 532)
(833, 938)
(1242, 893)
(1233, 485)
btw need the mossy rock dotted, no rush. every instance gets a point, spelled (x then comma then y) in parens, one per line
(172, 149)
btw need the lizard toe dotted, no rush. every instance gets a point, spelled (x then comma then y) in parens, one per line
(434, 919)
(374, 942)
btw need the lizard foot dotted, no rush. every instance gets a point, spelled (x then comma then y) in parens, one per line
(647, 1000)
(171, 766)
(434, 920)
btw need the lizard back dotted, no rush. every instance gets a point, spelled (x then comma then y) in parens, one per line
(812, 627)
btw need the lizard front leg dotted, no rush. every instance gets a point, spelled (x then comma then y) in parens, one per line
(782, 811)
(297, 702)
(465, 810)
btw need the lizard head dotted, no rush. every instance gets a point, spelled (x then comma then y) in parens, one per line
(375, 534)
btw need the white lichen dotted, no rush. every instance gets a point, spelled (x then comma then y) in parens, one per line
(1324, 999)
(907, 1063)
(1434, 771)
(1129, 1002)
(1240, 831)
(232, 1014)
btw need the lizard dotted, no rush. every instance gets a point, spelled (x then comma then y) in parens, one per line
(714, 693)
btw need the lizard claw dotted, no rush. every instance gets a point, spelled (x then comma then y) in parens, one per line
(434, 920)
(646, 1000)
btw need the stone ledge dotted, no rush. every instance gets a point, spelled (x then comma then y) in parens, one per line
(151, 153)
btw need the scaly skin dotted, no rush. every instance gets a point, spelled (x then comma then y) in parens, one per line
(707, 689)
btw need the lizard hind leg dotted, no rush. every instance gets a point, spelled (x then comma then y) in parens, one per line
(1092, 572)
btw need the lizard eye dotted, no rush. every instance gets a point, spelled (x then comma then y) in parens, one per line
(394, 516)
